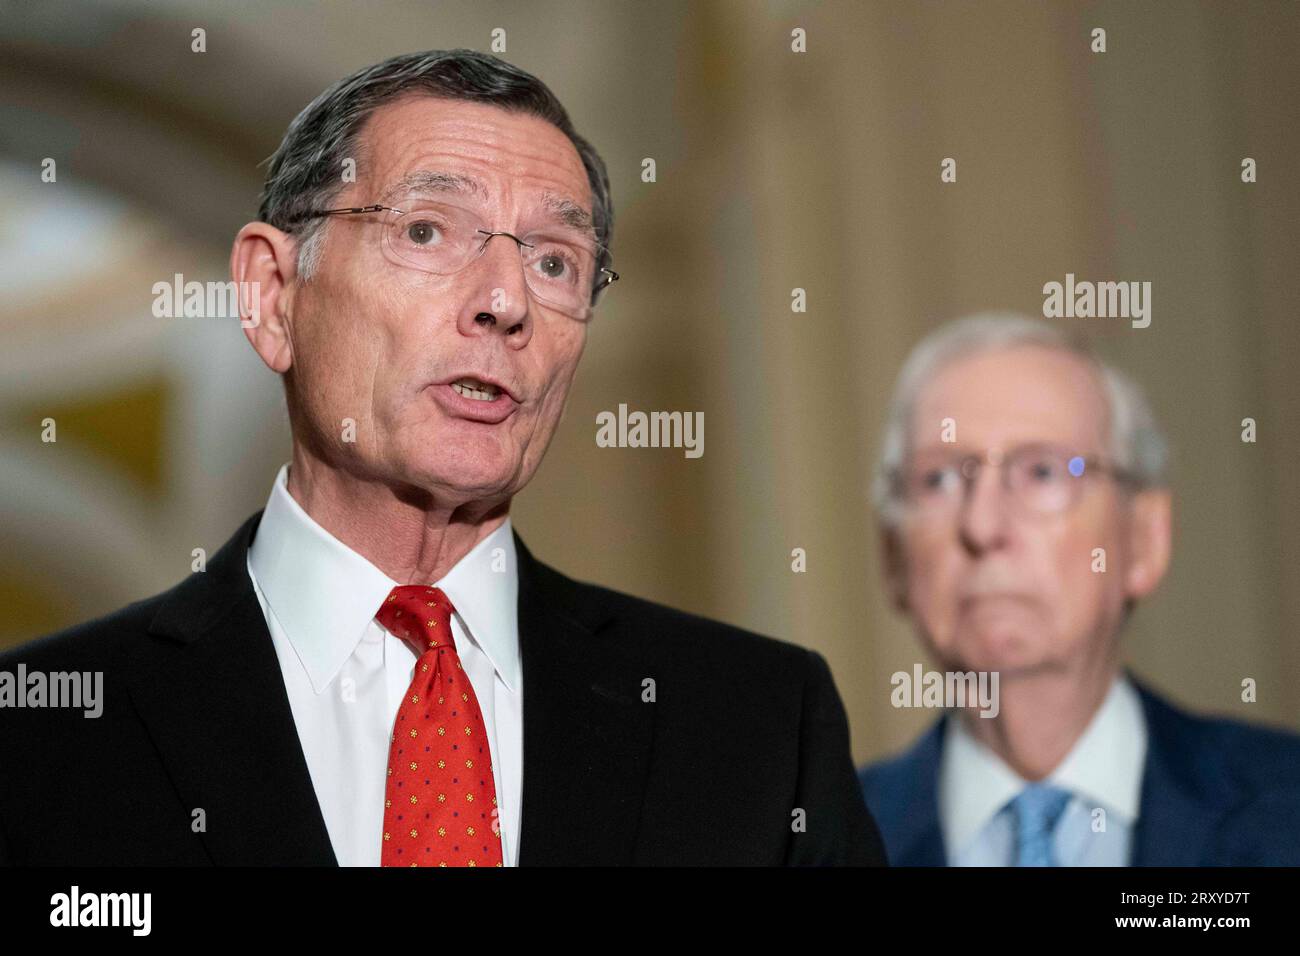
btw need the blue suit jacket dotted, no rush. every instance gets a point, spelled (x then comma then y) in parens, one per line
(1215, 792)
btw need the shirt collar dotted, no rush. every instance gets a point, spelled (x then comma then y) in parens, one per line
(1104, 767)
(484, 589)
(324, 595)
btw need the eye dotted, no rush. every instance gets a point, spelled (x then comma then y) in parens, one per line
(1043, 469)
(556, 264)
(422, 232)
(553, 266)
(934, 480)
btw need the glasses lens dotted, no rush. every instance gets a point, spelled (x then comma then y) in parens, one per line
(1040, 479)
(932, 481)
(442, 239)
(561, 270)
(431, 237)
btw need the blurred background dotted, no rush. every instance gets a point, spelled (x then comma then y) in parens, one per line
(775, 170)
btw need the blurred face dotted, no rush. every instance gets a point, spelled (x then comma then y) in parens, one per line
(385, 345)
(990, 585)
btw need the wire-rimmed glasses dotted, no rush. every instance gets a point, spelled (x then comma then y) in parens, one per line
(1040, 478)
(562, 267)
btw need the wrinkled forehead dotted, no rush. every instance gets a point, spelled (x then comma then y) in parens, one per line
(1003, 397)
(476, 154)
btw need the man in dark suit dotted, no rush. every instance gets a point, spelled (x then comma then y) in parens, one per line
(1214, 792)
(374, 669)
(1025, 510)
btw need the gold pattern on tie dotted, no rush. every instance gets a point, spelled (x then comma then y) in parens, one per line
(435, 813)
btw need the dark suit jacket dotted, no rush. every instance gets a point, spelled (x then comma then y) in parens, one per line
(1215, 792)
(745, 729)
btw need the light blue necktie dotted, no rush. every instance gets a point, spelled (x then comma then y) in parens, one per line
(1036, 811)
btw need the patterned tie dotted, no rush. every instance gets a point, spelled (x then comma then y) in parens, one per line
(1037, 808)
(441, 805)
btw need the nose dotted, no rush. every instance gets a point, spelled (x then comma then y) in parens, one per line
(497, 300)
(983, 519)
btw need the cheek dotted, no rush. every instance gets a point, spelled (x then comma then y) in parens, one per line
(367, 371)
(557, 371)
(932, 573)
(322, 338)
(1080, 592)
(346, 379)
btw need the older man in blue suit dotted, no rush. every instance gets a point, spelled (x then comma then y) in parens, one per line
(1025, 511)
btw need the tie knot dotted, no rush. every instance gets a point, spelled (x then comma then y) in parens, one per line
(1038, 807)
(419, 614)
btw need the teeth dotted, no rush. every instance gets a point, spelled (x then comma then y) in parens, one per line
(473, 388)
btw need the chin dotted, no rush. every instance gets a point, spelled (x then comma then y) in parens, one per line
(1002, 649)
(480, 486)
(468, 478)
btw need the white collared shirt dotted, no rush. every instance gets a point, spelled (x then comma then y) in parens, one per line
(1102, 771)
(346, 675)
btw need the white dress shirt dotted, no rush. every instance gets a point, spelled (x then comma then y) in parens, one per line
(1103, 770)
(346, 675)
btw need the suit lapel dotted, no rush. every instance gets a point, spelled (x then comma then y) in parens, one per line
(587, 733)
(1175, 821)
(207, 684)
(919, 840)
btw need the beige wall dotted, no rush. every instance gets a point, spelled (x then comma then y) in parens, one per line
(775, 171)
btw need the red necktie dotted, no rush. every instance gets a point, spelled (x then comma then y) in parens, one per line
(440, 806)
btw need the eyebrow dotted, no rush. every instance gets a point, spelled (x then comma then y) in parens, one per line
(431, 182)
(957, 449)
(569, 213)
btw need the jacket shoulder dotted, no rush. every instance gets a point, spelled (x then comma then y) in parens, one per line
(1258, 750)
(680, 633)
(1252, 756)
(197, 599)
(900, 771)
(80, 645)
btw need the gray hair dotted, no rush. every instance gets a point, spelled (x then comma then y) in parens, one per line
(305, 171)
(1136, 441)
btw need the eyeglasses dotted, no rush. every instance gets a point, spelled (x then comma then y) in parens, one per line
(1040, 478)
(562, 268)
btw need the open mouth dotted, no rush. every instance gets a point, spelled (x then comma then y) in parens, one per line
(475, 400)
(472, 388)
